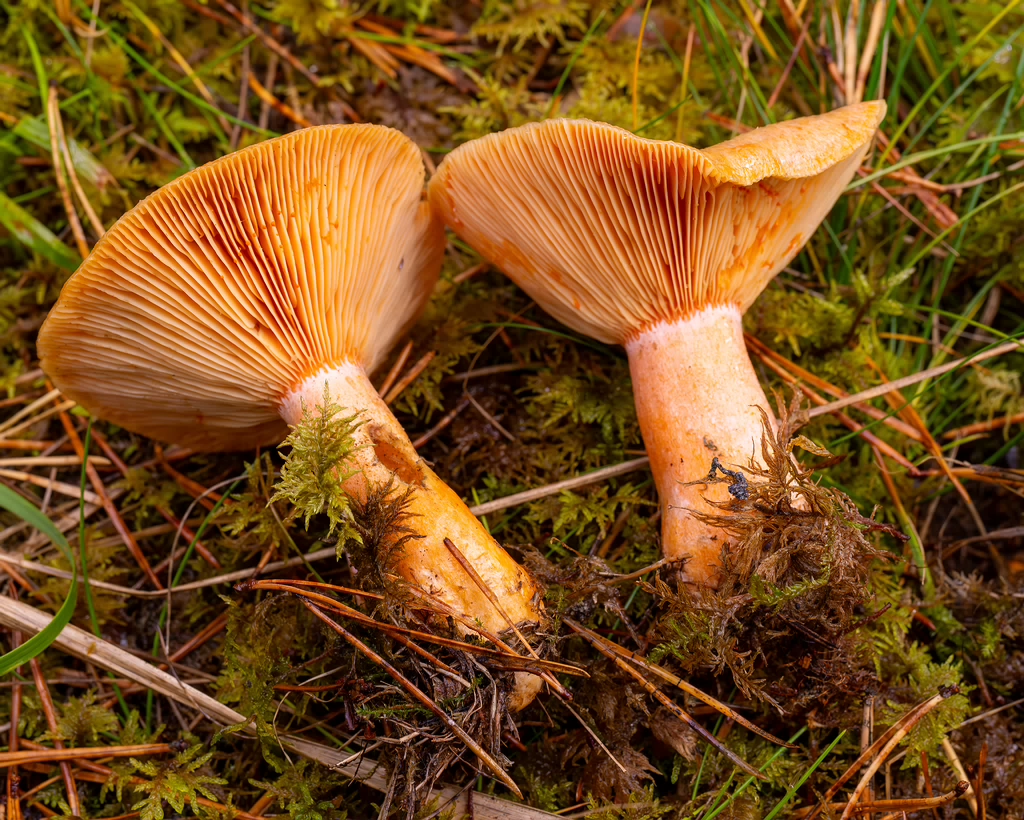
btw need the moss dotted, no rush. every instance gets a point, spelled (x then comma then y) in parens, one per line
(518, 22)
(800, 322)
(793, 591)
(319, 461)
(304, 791)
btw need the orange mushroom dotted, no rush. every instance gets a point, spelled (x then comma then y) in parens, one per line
(661, 248)
(217, 308)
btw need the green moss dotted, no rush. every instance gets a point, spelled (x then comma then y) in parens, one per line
(322, 446)
(518, 22)
(177, 783)
(304, 791)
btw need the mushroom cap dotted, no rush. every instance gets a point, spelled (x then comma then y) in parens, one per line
(612, 233)
(215, 297)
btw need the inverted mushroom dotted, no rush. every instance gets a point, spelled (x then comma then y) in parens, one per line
(661, 248)
(217, 308)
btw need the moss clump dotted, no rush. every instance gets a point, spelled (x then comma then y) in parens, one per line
(316, 466)
(793, 590)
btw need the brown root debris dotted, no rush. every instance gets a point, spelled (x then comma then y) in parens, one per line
(794, 588)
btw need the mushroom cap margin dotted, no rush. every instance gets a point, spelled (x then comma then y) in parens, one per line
(214, 297)
(611, 233)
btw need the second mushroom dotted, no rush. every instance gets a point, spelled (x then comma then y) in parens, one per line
(661, 248)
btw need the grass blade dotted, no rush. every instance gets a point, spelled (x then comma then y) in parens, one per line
(34, 235)
(14, 503)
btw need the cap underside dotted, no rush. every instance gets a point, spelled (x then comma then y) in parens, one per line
(612, 233)
(213, 298)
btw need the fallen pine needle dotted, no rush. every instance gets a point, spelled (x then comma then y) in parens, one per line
(907, 804)
(615, 470)
(20, 758)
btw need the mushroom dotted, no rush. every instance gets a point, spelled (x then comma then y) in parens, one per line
(218, 308)
(661, 248)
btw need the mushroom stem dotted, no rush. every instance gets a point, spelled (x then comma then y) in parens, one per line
(384, 453)
(696, 398)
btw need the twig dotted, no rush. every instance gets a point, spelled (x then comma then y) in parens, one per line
(94, 220)
(108, 505)
(208, 498)
(995, 535)
(227, 578)
(394, 630)
(887, 740)
(442, 423)
(269, 42)
(171, 519)
(14, 738)
(915, 378)
(793, 373)
(483, 412)
(57, 408)
(958, 767)
(29, 409)
(411, 376)
(53, 112)
(470, 272)
(848, 422)
(606, 646)
(560, 486)
(979, 788)
(870, 47)
(906, 805)
(215, 627)
(25, 444)
(56, 486)
(594, 735)
(671, 705)
(412, 54)
(636, 65)
(52, 461)
(396, 368)
(983, 426)
(243, 91)
(485, 588)
(285, 110)
(492, 370)
(774, 98)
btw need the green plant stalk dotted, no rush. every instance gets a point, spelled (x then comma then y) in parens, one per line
(803, 778)
(572, 62)
(83, 479)
(931, 153)
(172, 138)
(958, 58)
(33, 516)
(746, 783)
(184, 92)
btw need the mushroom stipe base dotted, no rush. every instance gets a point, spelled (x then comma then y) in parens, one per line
(697, 399)
(384, 454)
